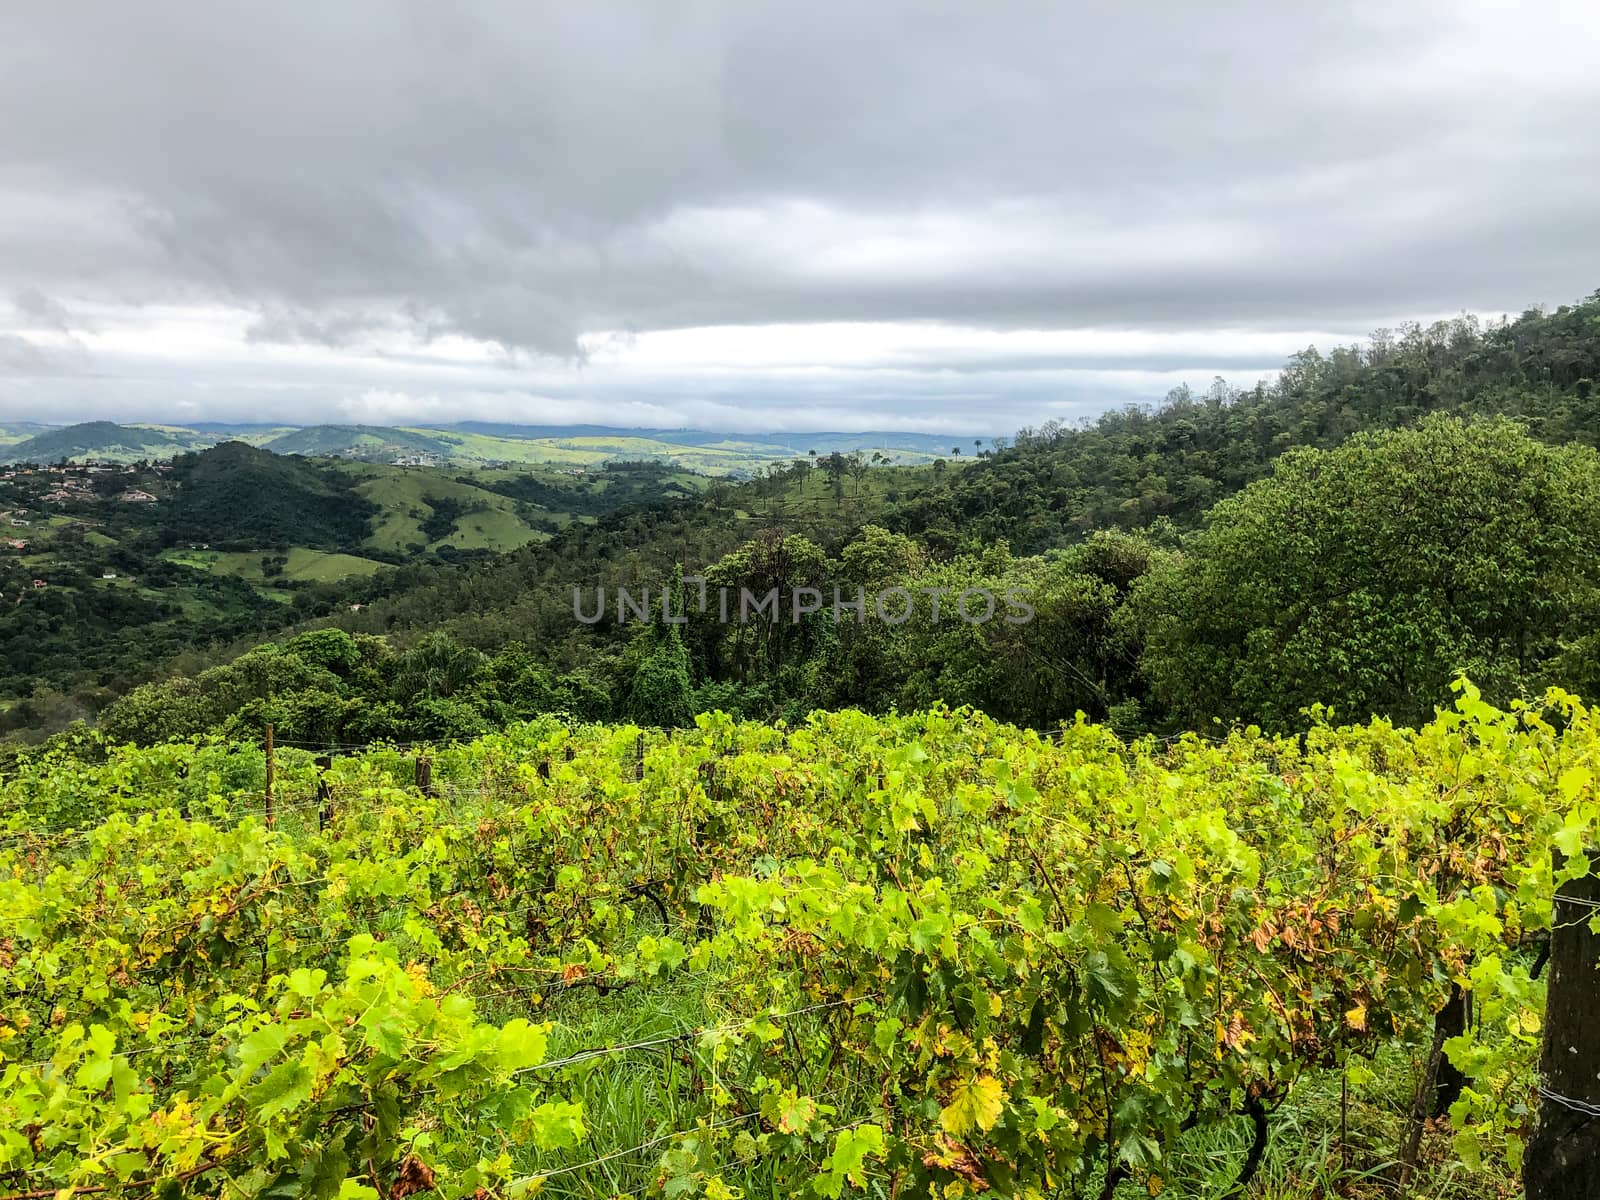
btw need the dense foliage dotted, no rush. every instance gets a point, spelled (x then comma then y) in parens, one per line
(235, 496)
(1369, 575)
(226, 551)
(924, 952)
(1176, 460)
(1365, 578)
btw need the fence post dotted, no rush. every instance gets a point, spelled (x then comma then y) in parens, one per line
(324, 793)
(425, 775)
(1564, 1155)
(271, 813)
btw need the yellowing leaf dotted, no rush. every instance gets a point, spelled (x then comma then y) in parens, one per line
(974, 1104)
(1573, 780)
(1357, 1017)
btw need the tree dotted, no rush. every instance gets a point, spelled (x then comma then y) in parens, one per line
(331, 649)
(771, 563)
(774, 482)
(438, 667)
(878, 558)
(836, 468)
(1367, 577)
(662, 693)
(857, 465)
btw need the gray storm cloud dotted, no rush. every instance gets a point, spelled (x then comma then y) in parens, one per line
(529, 176)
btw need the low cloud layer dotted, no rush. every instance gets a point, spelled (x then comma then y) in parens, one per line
(942, 216)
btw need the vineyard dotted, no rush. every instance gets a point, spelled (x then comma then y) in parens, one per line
(890, 956)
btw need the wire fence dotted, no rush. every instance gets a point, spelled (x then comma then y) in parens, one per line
(663, 1139)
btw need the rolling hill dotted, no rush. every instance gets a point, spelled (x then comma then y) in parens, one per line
(422, 510)
(106, 442)
(467, 444)
(375, 443)
(236, 496)
(12, 432)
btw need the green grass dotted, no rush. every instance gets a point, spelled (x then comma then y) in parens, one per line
(402, 493)
(1306, 1161)
(723, 458)
(491, 529)
(303, 566)
(810, 503)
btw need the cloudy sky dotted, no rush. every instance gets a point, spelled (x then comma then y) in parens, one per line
(960, 217)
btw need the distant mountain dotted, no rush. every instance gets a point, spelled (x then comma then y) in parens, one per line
(477, 443)
(796, 443)
(371, 443)
(535, 432)
(106, 442)
(931, 444)
(467, 444)
(12, 432)
(252, 428)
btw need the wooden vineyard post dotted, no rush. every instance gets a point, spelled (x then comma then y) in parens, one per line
(271, 813)
(1564, 1156)
(424, 775)
(324, 794)
(638, 760)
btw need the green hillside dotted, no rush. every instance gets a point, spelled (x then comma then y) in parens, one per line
(272, 570)
(12, 432)
(710, 454)
(467, 445)
(418, 510)
(374, 443)
(237, 542)
(105, 441)
(237, 497)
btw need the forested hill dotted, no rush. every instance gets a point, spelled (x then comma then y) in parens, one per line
(1136, 465)
(1055, 484)
(236, 494)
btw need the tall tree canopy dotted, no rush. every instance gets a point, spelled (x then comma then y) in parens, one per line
(1366, 577)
